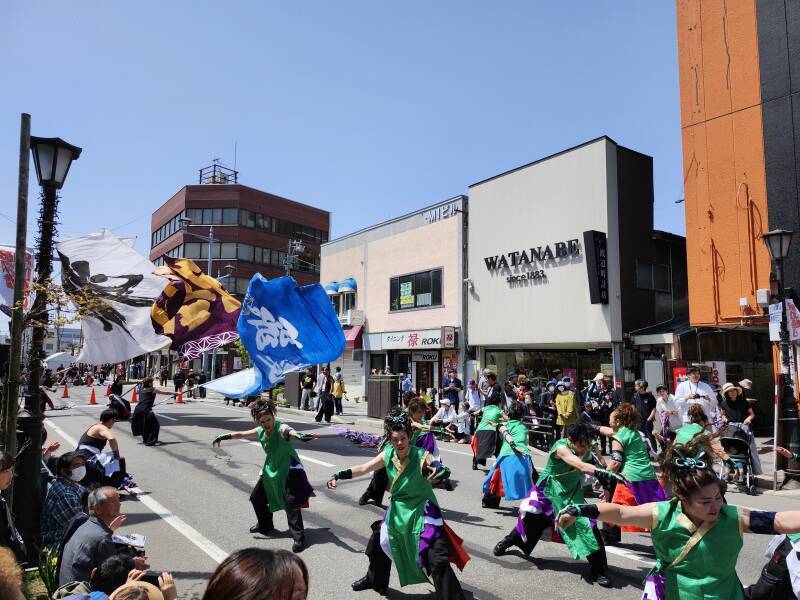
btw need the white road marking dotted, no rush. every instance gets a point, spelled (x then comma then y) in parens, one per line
(213, 551)
(163, 416)
(631, 555)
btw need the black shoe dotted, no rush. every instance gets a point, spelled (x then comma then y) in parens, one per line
(503, 545)
(474, 466)
(361, 585)
(447, 485)
(257, 529)
(298, 547)
(364, 500)
(602, 581)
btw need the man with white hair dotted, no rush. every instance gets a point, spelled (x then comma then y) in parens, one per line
(91, 543)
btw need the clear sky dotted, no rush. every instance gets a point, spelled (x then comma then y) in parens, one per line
(369, 109)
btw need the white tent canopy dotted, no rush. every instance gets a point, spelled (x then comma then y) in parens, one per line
(59, 358)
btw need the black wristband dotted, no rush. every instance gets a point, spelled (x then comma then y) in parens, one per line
(345, 474)
(589, 510)
(762, 522)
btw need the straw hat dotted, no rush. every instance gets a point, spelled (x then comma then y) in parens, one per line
(153, 593)
(746, 384)
(728, 387)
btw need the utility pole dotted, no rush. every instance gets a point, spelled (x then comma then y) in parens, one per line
(13, 380)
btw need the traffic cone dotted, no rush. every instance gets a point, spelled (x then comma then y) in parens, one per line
(108, 390)
(134, 398)
(92, 399)
(66, 392)
(180, 397)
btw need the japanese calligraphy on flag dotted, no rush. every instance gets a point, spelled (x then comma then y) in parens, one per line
(284, 328)
(194, 310)
(116, 287)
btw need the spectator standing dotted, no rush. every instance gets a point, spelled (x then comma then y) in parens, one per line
(407, 385)
(338, 390)
(325, 401)
(668, 416)
(63, 501)
(565, 408)
(474, 399)
(178, 380)
(306, 389)
(9, 536)
(91, 544)
(693, 391)
(201, 379)
(163, 376)
(452, 387)
(645, 403)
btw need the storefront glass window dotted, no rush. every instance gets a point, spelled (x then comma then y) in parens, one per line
(581, 365)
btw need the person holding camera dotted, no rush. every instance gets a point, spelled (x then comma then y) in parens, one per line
(693, 391)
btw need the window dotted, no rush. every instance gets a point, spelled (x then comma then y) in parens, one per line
(195, 214)
(245, 252)
(229, 216)
(216, 216)
(650, 276)
(337, 303)
(191, 250)
(417, 290)
(228, 250)
(348, 301)
(246, 218)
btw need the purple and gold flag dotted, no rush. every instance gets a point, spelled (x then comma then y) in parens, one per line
(194, 310)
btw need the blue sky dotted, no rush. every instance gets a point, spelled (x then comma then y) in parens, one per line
(368, 109)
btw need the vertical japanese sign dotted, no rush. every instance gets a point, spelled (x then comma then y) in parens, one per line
(7, 257)
(596, 248)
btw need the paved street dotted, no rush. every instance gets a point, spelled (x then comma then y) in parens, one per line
(194, 510)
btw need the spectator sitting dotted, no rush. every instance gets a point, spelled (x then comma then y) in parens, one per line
(141, 590)
(91, 543)
(9, 536)
(259, 573)
(111, 574)
(10, 576)
(63, 501)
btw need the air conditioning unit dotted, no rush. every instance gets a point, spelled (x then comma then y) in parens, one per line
(762, 297)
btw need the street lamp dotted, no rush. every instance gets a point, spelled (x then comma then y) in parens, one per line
(778, 242)
(52, 158)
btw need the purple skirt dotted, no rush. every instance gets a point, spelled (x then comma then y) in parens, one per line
(298, 485)
(654, 586)
(646, 491)
(431, 531)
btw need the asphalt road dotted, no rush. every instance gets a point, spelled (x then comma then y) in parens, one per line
(193, 508)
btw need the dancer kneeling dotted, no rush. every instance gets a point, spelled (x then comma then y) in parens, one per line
(687, 569)
(283, 484)
(559, 485)
(513, 474)
(412, 533)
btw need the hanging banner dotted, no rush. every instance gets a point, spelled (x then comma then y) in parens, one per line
(7, 258)
(116, 286)
(284, 328)
(194, 310)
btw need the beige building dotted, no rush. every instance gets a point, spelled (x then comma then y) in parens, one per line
(398, 289)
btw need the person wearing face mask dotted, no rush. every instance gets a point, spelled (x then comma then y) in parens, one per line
(559, 484)
(283, 484)
(9, 536)
(685, 568)
(63, 499)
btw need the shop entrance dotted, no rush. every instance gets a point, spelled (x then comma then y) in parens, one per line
(424, 375)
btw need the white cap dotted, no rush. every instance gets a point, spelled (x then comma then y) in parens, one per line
(444, 401)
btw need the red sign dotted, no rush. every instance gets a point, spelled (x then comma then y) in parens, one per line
(678, 375)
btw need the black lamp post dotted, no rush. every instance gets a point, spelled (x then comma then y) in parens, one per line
(52, 158)
(778, 242)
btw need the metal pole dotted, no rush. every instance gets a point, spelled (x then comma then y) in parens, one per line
(288, 260)
(788, 404)
(13, 381)
(30, 461)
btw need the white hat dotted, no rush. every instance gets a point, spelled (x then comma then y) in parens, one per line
(599, 377)
(746, 384)
(444, 401)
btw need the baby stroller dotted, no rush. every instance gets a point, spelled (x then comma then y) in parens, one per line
(735, 440)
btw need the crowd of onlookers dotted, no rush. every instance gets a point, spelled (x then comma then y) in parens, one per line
(79, 546)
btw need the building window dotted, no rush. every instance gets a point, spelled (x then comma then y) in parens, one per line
(348, 302)
(166, 230)
(417, 290)
(652, 276)
(228, 250)
(229, 216)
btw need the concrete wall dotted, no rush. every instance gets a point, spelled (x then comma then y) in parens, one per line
(553, 200)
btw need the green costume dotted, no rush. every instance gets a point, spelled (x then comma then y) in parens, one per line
(563, 486)
(708, 570)
(518, 431)
(490, 413)
(405, 515)
(687, 433)
(636, 466)
(279, 457)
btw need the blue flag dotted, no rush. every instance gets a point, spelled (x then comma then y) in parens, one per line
(284, 328)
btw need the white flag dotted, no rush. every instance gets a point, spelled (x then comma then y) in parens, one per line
(104, 268)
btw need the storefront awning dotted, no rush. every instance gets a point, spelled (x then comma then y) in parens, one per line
(661, 333)
(332, 288)
(352, 337)
(348, 285)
